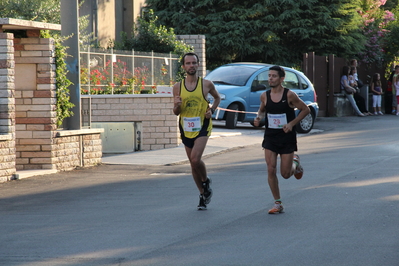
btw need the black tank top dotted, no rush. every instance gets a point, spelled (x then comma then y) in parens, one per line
(281, 107)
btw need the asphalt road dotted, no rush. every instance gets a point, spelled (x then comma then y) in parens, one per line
(343, 212)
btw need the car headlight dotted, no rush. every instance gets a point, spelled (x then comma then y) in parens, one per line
(222, 97)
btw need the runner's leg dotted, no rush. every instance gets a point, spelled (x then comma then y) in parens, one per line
(271, 163)
(287, 165)
(198, 168)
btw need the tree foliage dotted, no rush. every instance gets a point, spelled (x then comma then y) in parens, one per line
(37, 10)
(390, 42)
(62, 91)
(149, 36)
(267, 30)
(46, 11)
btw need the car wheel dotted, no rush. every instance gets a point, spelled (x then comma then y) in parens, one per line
(232, 117)
(306, 124)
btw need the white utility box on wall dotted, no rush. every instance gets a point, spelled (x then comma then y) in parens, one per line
(119, 137)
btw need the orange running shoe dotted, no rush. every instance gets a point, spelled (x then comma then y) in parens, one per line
(299, 169)
(277, 208)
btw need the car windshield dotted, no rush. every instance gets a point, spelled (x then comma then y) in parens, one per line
(232, 74)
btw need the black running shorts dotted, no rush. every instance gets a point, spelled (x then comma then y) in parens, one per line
(280, 148)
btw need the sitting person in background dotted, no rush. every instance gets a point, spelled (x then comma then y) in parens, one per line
(349, 90)
(360, 101)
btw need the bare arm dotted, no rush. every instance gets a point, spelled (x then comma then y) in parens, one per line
(372, 88)
(216, 98)
(296, 102)
(177, 99)
(261, 110)
(215, 94)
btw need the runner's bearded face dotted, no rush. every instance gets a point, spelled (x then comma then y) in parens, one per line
(274, 79)
(191, 71)
(191, 65)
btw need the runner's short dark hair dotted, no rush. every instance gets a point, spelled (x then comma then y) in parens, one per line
(186, 54)
(279, 69)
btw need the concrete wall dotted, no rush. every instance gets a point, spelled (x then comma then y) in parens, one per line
(106, 22)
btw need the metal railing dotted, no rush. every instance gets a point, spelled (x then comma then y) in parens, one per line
(125, 72)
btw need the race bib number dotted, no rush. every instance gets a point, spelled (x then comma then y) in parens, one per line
(191, 124)
(276, 121)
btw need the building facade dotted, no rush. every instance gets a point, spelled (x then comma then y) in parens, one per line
(108, 18)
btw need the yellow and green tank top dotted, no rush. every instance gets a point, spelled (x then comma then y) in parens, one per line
(194, 106)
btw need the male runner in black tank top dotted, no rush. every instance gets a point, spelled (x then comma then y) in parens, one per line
(277, 106)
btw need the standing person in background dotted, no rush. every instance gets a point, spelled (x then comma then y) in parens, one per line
(195, 123)
(376, 89)
(390, 96)
(353, 63)
(394, 100)
(277, 106)
(395, 86)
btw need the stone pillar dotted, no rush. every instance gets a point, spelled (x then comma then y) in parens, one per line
(7, 108)
(198, 42)
(35, 102)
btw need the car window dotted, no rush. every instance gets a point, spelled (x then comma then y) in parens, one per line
(231, 75)
(291, 80)
(261, 78)
(305, 85)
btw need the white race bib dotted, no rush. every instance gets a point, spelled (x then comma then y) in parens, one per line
(191, 124)
(276, 121)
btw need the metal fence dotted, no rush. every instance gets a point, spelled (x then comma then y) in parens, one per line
(125, 72)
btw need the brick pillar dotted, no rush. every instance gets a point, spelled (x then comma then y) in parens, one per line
(7, 108)
(35, 103)
(198, 42)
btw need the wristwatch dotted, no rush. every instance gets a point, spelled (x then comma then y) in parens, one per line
(212, 110)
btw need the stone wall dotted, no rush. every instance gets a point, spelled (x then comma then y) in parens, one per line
(29, 138)
(7, 108)
(39, 144)
(72, 150)
(159, 124)
(35, 102)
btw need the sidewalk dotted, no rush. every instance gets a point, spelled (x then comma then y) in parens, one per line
(222, 140)
(219, 142)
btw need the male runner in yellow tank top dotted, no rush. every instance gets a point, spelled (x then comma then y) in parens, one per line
(195, 123)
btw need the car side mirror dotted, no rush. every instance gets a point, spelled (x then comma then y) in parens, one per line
(260, 87)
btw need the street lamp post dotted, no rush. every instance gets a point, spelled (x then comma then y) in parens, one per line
(70, 27)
